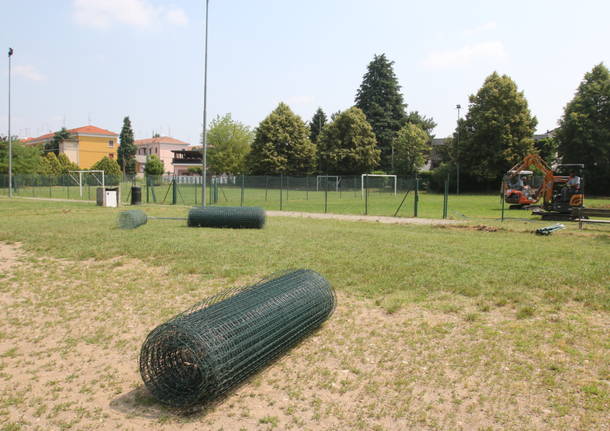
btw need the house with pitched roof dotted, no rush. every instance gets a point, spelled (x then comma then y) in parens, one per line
(160, 146)
(85, 146)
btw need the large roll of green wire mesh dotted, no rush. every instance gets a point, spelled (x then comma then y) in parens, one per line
(131, 219)
(212, 347)
(232, 217)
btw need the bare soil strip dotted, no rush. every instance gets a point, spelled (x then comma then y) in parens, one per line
(366, 218)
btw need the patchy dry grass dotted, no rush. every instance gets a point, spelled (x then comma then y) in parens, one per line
(457, 356)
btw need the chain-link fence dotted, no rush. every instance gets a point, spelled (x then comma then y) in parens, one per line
(382, 195)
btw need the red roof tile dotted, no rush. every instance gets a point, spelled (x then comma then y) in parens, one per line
(160, 140)
(85, 130)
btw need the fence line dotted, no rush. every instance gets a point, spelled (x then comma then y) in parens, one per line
(403, 197)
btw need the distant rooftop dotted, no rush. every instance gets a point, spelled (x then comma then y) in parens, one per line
(160, 140)
(85, 130)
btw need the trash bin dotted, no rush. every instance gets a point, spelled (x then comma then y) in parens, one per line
(136, 195)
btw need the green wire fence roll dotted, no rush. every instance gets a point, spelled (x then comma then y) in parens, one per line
(233, 217)
(132, 219)
(209, 349)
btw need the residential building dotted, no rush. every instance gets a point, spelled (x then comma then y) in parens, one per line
(160, 146)
(85, 146)
(185, 159)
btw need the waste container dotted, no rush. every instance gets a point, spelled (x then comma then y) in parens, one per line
(136, 195)
(107, 196)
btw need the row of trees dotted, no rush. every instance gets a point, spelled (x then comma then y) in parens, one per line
(498, 130)
(376, 133)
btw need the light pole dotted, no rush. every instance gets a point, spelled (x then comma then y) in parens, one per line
(10, 140)
(205, 99)
(457, 153)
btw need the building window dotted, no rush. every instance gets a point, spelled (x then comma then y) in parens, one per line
(111, 143)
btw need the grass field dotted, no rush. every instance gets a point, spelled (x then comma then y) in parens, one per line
(478, 326)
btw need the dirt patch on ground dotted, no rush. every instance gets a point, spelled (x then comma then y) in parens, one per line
(71, 334)
(9, 255)
(478, 227)
(375, 219)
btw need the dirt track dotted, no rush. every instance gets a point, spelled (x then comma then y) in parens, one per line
(378, 219)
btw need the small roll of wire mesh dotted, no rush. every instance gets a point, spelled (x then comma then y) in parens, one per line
(205, 351)
(132, 219)
(232, 217)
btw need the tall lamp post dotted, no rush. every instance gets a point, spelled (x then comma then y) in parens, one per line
(457, 152)
(205, 99)
(10, 140)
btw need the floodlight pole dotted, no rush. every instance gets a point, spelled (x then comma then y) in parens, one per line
(204, 172)
(10, 140)
(457, 151)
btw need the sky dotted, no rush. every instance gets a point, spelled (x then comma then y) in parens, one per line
(79, 62)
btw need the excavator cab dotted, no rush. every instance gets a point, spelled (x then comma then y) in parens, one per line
(568, 188)
(521, 188)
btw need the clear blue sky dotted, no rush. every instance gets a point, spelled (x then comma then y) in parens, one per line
(100, 60)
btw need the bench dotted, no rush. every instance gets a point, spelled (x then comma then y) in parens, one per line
(581, 215)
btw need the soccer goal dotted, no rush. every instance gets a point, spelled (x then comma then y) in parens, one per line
(329, 181)
(87, 177)
(365, 181)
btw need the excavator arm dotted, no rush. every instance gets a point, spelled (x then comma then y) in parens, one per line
(546, 190)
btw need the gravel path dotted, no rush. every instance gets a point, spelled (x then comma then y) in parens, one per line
(378, 219)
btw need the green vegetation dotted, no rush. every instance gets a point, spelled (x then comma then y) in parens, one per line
(154, 166)
(126, 153)
(347, 145)
(411, 144)
(497, 131)
(281, 145)
(584, 132)
(317, 123)
(229, 142)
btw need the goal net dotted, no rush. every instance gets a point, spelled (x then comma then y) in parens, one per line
(87, 177)
(327, 182)
(378, 183)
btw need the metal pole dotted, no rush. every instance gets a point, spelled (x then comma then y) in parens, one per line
(416, 199)
(205, 94)
(457, 151)
(10, 140)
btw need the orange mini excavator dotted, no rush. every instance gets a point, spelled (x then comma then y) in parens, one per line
(522, 188)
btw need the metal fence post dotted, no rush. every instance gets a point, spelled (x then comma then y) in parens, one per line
(242, 190)
(266, 186)
(416, 198)
(174, 191)
(445, 199)
(281, 192)
(366, 194)
(307, 187)
(326, 196)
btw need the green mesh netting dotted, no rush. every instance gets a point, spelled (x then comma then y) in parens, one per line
(233, 217)
(132, 219)
(209, 349)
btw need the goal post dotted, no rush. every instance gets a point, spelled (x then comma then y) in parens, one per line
(77, 176)
(364, 177)
(327, 177)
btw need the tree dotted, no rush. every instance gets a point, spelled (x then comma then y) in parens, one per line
(127, 149)
(66, 164)
(26, 158)
(411, 145)
(50, 165)
(281, 145)
(108, 165)
(154, 166)
(380, 99)
(316, 124)
(59, 137)
(427, 124)
(497, 131)
(547, 148)
(229, 142)
(584, 129)
(348, 145)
